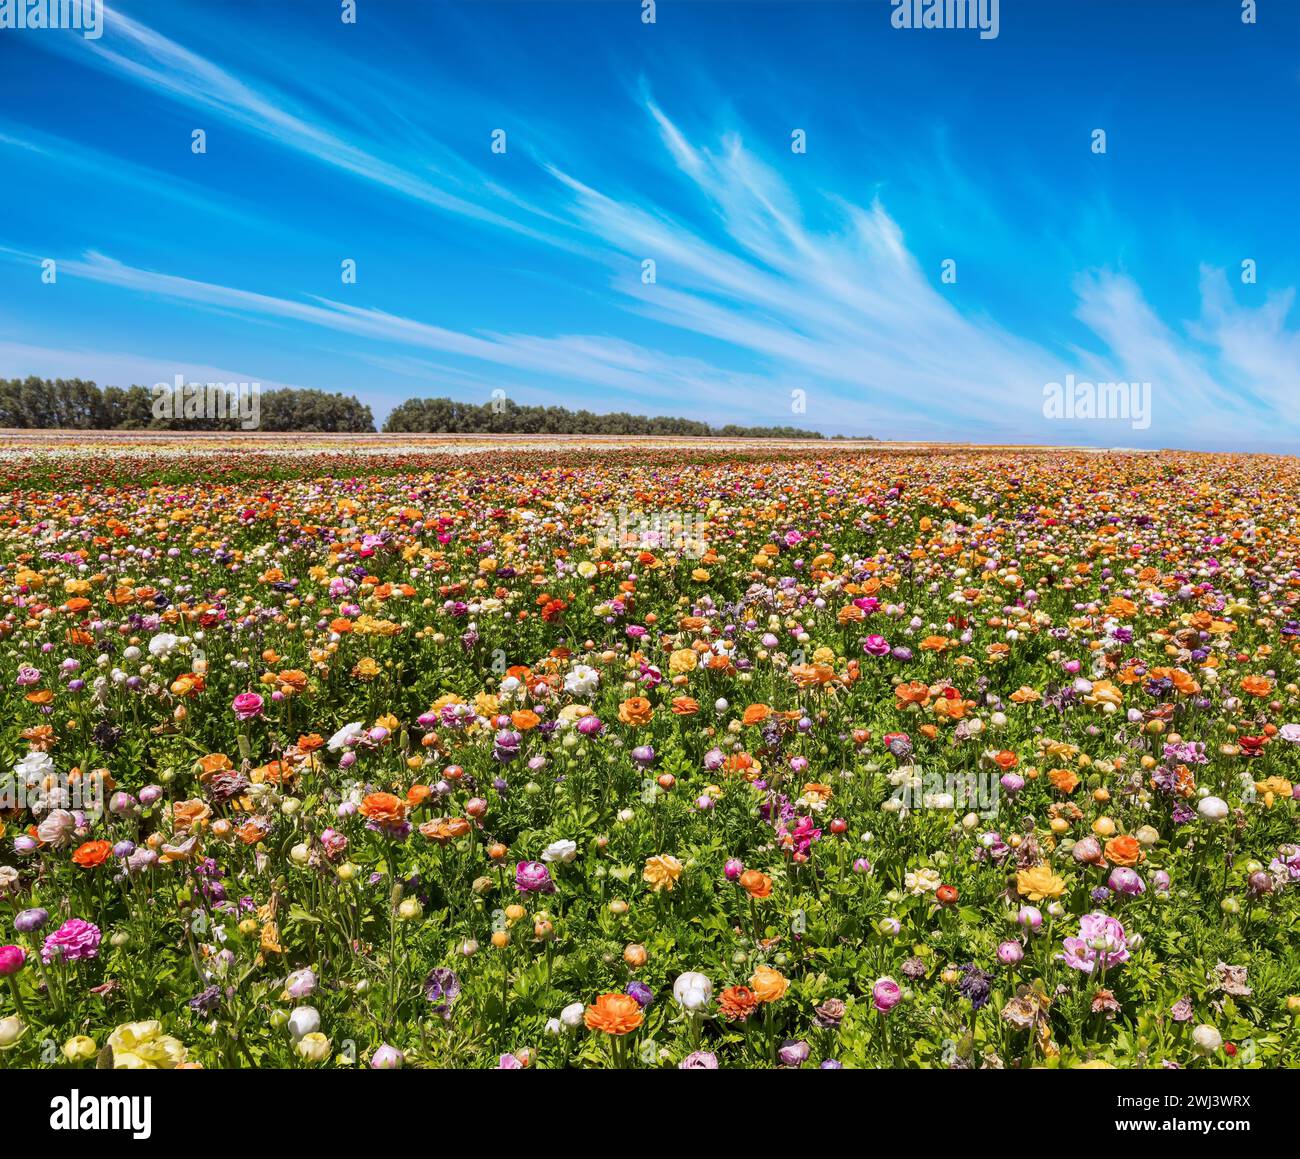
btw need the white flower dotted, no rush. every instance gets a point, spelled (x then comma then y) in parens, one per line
(582, 680)
(57, 828)
(161, 645)
(11, 1030)
(345, 736)
(303, 1021)
(1212, 808)
(1206, 1039)
(692, 991)
(572, 1015)
(563, 851)
(922, 881)
(33, 768)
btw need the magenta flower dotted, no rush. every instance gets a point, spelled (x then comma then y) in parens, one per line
(11, 960)
(247, 705)
(1125, 880)
(875, 646)
(885, 995)
(72, 941)
(533, 877)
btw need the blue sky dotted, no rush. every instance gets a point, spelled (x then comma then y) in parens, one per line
(775, 271)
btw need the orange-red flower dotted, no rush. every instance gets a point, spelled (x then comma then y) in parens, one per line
(92, 853)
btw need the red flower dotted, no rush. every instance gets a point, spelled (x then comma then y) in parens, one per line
(946, 894)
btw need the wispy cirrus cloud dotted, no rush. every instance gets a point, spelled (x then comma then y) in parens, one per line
(765, 283)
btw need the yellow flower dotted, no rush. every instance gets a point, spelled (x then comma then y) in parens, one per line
(1039, 883)
(662, 871)
(1104, 693)
(1272, 789)
(768, 984)
(79, 1048)
(365, 669)
(682, 661)
(143, 1046)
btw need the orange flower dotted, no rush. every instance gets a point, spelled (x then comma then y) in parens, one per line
(212, 764)
(757, 885)
(1259, 686)
(92, 853)
(444, 829)
(188, 815)
(385, 808)
(685, 706)
(913, 692)
(737, 1003)
(1124, 850)
(768, 984)
(525, 719)
(1005, 760)
(616, 1014)
(635, 711)
(1064, 779)
(756, 714)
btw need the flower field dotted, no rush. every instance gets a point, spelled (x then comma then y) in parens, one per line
(648, 757)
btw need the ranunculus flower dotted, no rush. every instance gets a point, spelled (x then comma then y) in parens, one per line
(247, 705)
(71, 942)
(885, 995)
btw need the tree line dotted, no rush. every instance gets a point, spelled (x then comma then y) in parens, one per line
(77, 404)
(505, 417)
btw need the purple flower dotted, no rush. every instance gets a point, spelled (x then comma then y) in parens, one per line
(442, 988)
(31, 920)
(506, 745)
(1010, 953)
(1101, 941)
(974, 986)
(641, 992)
(794, 1053)
(72, 941)
(1125, 880)
(699, 1060)
(533, 877)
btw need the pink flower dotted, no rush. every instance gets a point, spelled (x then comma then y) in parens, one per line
(885, 995)
(11, 960)
(1101, 941)
(72, 941)
(875, 646)
(247, 705)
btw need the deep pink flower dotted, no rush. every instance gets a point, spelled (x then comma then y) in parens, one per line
(247, 705)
